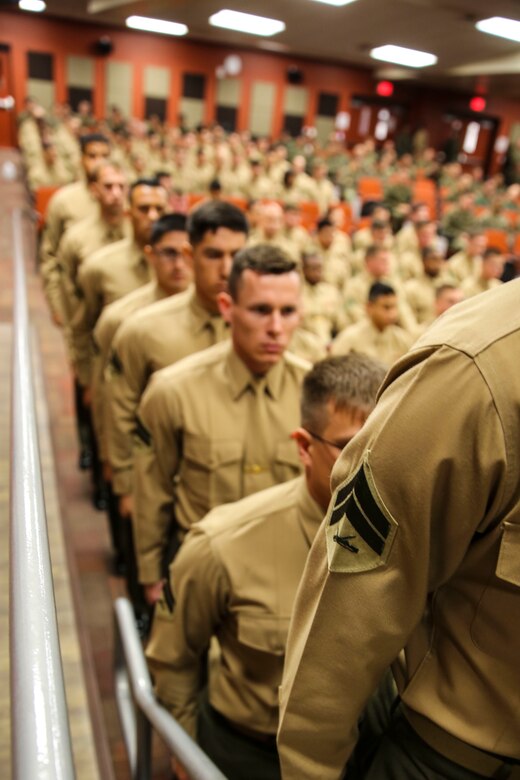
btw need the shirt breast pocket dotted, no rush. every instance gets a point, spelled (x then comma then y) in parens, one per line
(263, 640)
(211, 470)
(286, 464)
(498, 615)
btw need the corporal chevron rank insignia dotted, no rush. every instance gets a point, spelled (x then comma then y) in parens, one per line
(360, 529)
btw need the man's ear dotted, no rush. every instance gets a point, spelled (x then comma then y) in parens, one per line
(225, 306)
(303, 441)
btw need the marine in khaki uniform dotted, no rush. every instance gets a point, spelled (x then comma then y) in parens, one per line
(491, 269)
(323, 190)
(117, 269)
(409, 263)
(271, 231)
(377, 334)
(171, 275)
(216, 427)
(419, 550)
(466, 262)
(170, 330)
(330, 243)
(379, 233)
(377, 268)
(420, 292)
(236, 578)
(49, 171)
(69, 205)
(321, 302)
(86, 237)
(406, 238)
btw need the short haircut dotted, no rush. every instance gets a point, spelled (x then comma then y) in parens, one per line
(143, 182)
(209, 217)
(492, 251)
(323, 223)
(442, 289)
(430, 251)
(215, 185)
(379, 224)
(373, 250)
(379, 290)
(102, 166)
(168, 223)
(263, 259)
(349, 381)
(92, 138)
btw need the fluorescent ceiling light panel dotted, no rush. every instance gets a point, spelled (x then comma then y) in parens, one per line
(247, 23)
(499, 25)
(335, 2)
(32, 5)
(156, 25)
(400, 55)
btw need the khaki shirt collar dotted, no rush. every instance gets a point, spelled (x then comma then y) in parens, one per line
(310, 514)
(241, 378)
(202, 317)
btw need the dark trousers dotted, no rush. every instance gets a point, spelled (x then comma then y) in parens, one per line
(403, 755)
(239, 757)
(88, 444)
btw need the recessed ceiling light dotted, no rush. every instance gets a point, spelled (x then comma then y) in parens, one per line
(32, 5)
(400, 55)
(499, 25)
(335, 2)
(248, 23)
(156, 25)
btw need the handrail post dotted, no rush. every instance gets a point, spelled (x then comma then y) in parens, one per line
(40, 735)
(144, 747)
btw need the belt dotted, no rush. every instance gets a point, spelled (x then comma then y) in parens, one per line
(475, 760)
(256, 736)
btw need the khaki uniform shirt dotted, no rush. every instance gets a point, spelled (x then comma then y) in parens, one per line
(106, 327)
(336, 262)
(215, 594)
(406, 239)
(211, 433)
(476, 285)
(69, 205)
(150, 340)
(307, 345)
(423, 554)
(420, 294)
(42, 175)
(461, 266)
(110, 273)
(322, 310)
(324, 194)
(355, 296)
(80, 241)
(387, 345)
(279, 241)
(261, 188)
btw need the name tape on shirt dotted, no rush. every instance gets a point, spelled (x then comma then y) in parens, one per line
(360, 529)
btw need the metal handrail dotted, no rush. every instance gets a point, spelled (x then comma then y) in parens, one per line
(139, 710)
(41, 743)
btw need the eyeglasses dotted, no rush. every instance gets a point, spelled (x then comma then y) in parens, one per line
(336, 444)
(168, 253)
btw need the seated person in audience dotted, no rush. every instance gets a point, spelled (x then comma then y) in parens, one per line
(460, 219)
(321, 301)
(488, 276)
(420, 292)
(446, 296)
(324, 191)
(467, 261)
(293, 230)
(258, 185)
(288, 192)
(377, 334)
(270, 230)
(329, 243)
(376, 268)
(406, 238)
(410, 261)
(236, 577)
(363, 238)
(380, 234)
(303, 183)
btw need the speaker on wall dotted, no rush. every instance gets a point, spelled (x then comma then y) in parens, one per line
(294, 75)
(104, 46)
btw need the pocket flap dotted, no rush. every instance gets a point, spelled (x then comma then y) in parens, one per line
(211, 453)
(508, 566)
(287, 452)
(265, 633)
